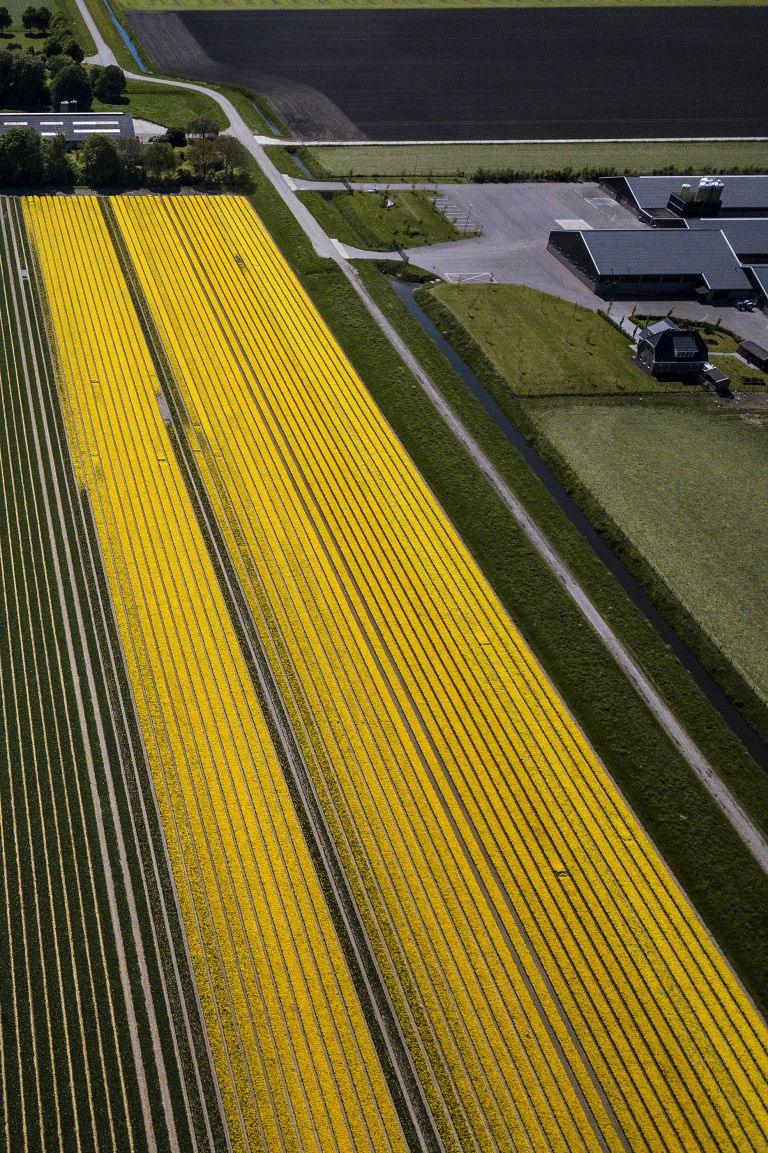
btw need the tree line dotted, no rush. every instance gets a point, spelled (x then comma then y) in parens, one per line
(198, 156)
(33, 79)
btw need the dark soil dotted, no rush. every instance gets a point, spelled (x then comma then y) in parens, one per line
(484, 74)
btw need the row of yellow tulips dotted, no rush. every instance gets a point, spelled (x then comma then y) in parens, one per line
(555, 987)
(294, 1059)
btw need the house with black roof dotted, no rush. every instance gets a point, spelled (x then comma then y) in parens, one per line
(665, 350)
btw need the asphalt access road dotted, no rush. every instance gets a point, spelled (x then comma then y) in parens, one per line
(480, 74)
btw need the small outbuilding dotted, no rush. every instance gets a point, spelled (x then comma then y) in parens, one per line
(665, 350)
(714, 379)
(754, 354)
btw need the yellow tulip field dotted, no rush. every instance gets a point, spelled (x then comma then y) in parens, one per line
(295, 1063)
(552, 985)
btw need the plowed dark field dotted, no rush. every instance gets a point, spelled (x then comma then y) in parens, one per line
(489, 74)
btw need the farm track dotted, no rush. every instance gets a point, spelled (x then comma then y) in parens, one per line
(83, 980)
(295, 1061)
(508, 891)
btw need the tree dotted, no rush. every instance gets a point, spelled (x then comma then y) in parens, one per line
(6, 20)
(52, 47)
(203, 158)
(130, 151)
(109, 84)
(21, 157)
(72, 49)
(202, 127)
(29, 18)
(176, 137)
(43, 20)
(58, 166)
(55, 64)
(159, 160)
(232, 154)
(71, 83)
(30, 87)
(99, 161)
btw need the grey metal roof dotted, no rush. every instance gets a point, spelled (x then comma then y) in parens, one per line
(740, 193)
(666, 252)
(654, 331)
(73, 126)
(745, 234)
(685, 344)
(759, 273)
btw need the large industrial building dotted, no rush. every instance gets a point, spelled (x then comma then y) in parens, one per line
(664, 201)
(707, 241)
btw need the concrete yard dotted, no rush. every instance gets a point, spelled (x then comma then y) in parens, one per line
(516, 220)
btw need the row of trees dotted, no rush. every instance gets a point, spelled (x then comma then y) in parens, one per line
(33, 20)
(27, 160)
(28, 82)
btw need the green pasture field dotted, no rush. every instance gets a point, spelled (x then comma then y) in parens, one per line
(170, 107)
(425, 161)
(537, 344)
(68, 9)
(170, 5)
(688, 486)
(361, 219)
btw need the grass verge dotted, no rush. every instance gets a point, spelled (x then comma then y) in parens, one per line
(541, 161)
(723, 880)
(169, 107)
(363, 220)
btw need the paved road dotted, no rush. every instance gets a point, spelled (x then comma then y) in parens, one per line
(749, 833)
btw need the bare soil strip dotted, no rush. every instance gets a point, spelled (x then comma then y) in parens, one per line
(483, 74)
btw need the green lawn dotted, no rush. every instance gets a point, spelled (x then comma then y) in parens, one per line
(534, 160)
(717, 339)
(171, 107)
(689, 488)
(743, 376)
(362, 219)
(539, 345)
(67, 8)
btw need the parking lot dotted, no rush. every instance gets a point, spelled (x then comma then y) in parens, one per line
(516, 220)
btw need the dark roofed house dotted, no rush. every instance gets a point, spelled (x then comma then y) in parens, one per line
(635, 264)
(666, 350)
